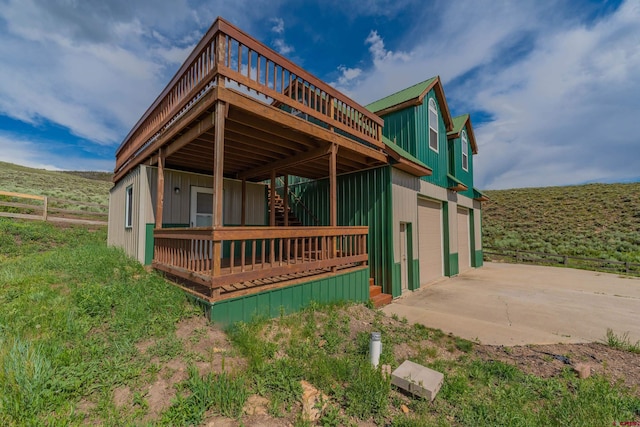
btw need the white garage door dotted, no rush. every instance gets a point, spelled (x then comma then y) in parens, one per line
(430, 240)
(464, 251)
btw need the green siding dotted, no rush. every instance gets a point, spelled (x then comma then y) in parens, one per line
(414, 277)
(351, 286)
(472, 237)
(455, 163)
(445, 238)
(479, 258)
(453, 265)
(400, 127)
(148, 244)
(364, 198)
(438, 162)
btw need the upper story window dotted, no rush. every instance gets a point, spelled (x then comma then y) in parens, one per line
(433, 125)
(465, 151)
(128, 207)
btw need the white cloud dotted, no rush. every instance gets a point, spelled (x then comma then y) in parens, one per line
(278, 25)
(279, 43)
(43, 155)
(563, 106)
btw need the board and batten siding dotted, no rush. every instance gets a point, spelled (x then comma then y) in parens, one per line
(404, 190)
(439, 161)
(177, 206)
(364, 198)
(455, 153)
(176, 211)
(400, 127)
(117, 234)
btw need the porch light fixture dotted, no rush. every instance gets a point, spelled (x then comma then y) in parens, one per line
(176, 190)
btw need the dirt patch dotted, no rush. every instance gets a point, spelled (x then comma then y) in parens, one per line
(122, 396)
(159, 395)
(550, 360)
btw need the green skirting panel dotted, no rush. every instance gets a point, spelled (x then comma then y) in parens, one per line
(148, 244)
(351, 286)
(479, 258)
(413, 275)
(454, 267)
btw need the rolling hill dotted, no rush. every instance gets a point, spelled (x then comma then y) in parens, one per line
(594, 220)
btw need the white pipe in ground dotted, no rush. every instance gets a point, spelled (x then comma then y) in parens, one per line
(375, 348)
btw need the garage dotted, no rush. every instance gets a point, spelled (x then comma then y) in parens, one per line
(430, 240)
(464, 250)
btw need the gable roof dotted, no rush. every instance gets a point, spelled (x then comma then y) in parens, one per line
(412, 96)
(404, 160)
(459, 123)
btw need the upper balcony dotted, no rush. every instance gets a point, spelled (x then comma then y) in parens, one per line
(259, 86)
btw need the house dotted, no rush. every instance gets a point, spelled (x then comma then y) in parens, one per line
(256, 187)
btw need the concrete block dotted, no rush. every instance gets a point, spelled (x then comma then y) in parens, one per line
(417, 379)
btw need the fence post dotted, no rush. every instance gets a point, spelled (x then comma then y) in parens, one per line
(626, 267)
(517, 256)
(44, 208)
(565, 260)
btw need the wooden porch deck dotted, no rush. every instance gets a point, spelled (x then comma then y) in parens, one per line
(255, 258)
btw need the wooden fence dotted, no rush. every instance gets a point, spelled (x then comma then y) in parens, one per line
(598, 264)
(45, 208)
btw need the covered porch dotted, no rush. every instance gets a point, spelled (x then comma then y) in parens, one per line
(236, 109)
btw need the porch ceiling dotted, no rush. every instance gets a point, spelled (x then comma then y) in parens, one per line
(257, 135)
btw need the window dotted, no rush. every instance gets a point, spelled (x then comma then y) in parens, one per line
(465, 151)
(433, 125)
(128, 207)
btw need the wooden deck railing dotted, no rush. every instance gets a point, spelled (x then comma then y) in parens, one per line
(32, 206)
(256, 253)
(227, 52)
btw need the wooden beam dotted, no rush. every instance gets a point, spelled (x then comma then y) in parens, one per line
(333, 187)
(218, 170)
(287, 120)
(196, 131)
(283, 163)
(333, 199)
(160, 189)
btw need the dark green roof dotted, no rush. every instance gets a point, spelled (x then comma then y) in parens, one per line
(399, 97)
(458, 124)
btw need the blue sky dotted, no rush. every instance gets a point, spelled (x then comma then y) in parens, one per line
(552, 86)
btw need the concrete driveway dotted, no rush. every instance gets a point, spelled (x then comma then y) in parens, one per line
(510, 304)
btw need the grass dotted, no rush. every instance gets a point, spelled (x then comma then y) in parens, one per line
(81, 187)
(75, 312)
(593, 221)
(621, 342)
(72, 312)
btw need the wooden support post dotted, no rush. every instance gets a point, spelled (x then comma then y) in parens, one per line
(333, 197)
(160, 189)
(333, 187)
(243, 209)
(218, 168)
(272, 216)
(45, 207)
(286, 200)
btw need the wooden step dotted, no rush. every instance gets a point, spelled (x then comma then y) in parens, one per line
(374, 290)
(372, 282)
(380, 300)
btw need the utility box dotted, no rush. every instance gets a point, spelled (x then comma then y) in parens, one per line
(417, 379)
